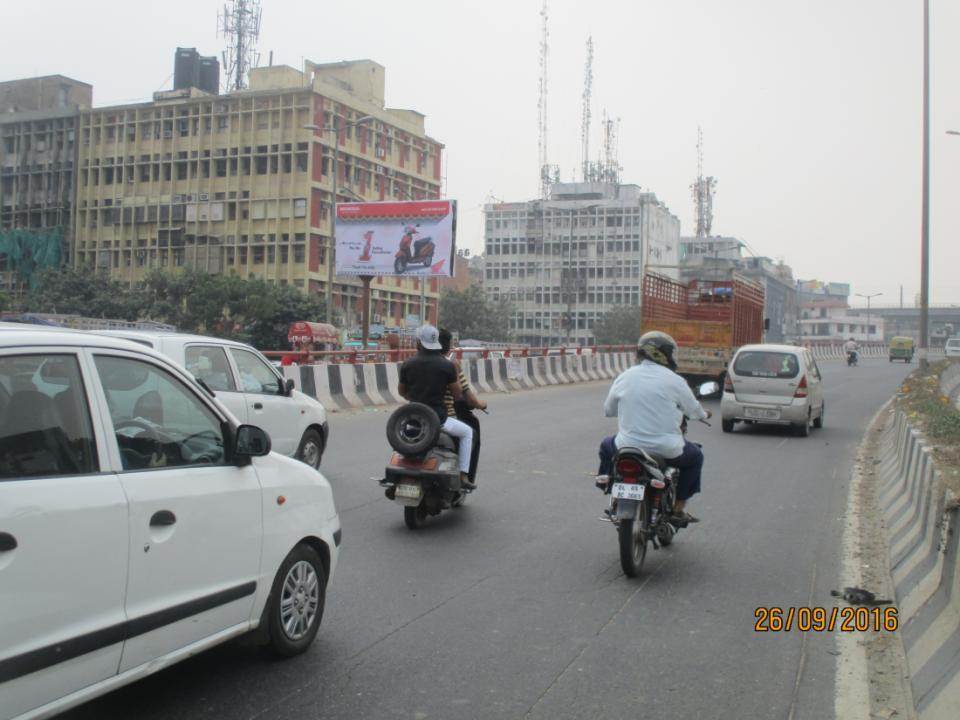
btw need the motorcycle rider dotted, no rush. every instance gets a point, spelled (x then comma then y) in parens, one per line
(850, 347)
(650, 400)
(461, 409)
(425, 378)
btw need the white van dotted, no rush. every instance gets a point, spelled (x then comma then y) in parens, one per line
(250, 386)
(773, 384)
(140, 523)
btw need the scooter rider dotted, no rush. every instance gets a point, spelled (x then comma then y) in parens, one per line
(851, 346)
(425, 378)
(461, 409)
(650, 400)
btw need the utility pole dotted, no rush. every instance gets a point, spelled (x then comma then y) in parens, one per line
(925, 201)
(869, 297)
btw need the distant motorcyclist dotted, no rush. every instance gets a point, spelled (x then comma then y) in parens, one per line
(852, 349)
(650, 401)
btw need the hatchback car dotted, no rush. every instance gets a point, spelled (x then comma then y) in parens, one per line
(952, 348)
(773, 384)
(140, 522)
(251, 387)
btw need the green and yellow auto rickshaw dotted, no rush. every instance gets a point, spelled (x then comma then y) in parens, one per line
(901, 348)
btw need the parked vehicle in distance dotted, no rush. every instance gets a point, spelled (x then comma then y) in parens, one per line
(901, 348)
(250, 386)
(952, 347)
(773, 384)
(140, 522)
(709, 319)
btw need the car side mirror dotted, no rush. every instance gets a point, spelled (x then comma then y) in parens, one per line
(251, 442)
(287, 387)
(707, 389)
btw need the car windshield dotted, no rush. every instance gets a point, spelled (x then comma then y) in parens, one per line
(953, 342)
(765, 364)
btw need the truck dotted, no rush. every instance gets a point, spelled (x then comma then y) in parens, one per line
(709, 319)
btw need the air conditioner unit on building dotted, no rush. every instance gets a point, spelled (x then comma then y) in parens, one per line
(204, 197)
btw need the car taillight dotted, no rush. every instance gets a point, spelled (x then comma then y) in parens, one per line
(801, 388)
(727, 384)
(628, 470)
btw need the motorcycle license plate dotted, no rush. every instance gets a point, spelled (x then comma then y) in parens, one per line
(409, 491)
(762, 413)
(628, 491)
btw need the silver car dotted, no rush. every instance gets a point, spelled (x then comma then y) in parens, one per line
(773, 384)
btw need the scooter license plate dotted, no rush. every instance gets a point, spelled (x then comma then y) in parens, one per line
(628, 491)
(409, 491)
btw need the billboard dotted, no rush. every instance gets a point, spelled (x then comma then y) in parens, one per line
(415, 239)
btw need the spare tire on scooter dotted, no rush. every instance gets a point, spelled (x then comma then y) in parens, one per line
(413, 429)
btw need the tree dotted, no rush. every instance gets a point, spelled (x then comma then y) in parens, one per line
(619, 326)
(471, 314)
(70, 291)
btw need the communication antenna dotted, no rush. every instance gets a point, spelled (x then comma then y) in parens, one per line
(703, 190)
(239, 24)
(609, 164)
(585, 113)
(546, 172)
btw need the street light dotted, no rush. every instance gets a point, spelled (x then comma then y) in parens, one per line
(869, 297)
(335, 129)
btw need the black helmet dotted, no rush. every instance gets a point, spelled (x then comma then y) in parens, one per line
(658, 347)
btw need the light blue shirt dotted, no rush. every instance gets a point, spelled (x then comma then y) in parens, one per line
(649, 401)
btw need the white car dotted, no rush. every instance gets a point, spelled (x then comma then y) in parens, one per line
(140, 522)
(773, 384)
(252, 388)
(952, 348)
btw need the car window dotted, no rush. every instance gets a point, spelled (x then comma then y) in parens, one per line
(157, 420)
(953, 342)
(766, 364)
(45, 426)
(256, 376)
(209, 363)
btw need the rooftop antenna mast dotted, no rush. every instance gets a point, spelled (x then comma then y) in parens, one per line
(703, 190)
(610, 165)
(585, 115)
(239, 24)
(545, 170)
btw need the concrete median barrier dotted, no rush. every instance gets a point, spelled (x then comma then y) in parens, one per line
(923, 538)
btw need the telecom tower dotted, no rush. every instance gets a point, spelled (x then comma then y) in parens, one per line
(703, 190)
(585, 113)
(548, 173)
(609, 165)
(240, 25)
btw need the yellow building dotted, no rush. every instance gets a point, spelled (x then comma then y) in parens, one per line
(242, 183)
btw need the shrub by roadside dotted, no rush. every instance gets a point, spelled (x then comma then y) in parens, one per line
(936, 417)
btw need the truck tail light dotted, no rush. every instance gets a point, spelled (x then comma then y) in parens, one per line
(801, 388)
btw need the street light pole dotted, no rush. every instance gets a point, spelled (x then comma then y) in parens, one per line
(869, 297)
(925, 201)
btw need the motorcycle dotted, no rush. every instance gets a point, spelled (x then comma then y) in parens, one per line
(423, 475)
(852, 358)
(643, 492)
(411, 252)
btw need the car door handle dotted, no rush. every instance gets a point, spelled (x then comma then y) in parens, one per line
(162, 518)
(7, 542)
(258, 406)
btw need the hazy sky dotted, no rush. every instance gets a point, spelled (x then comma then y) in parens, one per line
(810, 110)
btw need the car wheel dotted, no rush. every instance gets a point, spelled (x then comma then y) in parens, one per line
(818, 423)
(311, 448)
(296, 603)
(804, 429)
(727, 425)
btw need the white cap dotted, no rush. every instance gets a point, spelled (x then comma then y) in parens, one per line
(429, 337)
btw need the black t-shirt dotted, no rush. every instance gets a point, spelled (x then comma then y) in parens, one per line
(426, 376)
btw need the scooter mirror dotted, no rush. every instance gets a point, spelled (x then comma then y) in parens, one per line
(708, 388)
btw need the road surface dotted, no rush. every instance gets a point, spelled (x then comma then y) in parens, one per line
(515, 605)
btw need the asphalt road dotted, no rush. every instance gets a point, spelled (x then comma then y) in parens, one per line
(515, 606)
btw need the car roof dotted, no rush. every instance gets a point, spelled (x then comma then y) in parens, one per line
(19, 335)
(168, 335)
(771, 347)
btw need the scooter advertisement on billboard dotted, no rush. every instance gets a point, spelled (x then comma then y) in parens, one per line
(416, 239)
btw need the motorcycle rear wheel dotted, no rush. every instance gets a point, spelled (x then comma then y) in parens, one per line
(414, 517)
(399, 265)
(633, 536)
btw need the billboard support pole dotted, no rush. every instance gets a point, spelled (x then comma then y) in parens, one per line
(365, 309)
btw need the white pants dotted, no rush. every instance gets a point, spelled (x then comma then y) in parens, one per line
(464, 433)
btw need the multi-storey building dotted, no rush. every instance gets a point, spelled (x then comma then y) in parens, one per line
(242, 183)
(565, 262)
(38, 126)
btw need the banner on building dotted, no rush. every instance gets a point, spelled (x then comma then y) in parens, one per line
(415, 239)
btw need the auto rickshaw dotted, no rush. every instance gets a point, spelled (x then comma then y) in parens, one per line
(901, 348)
